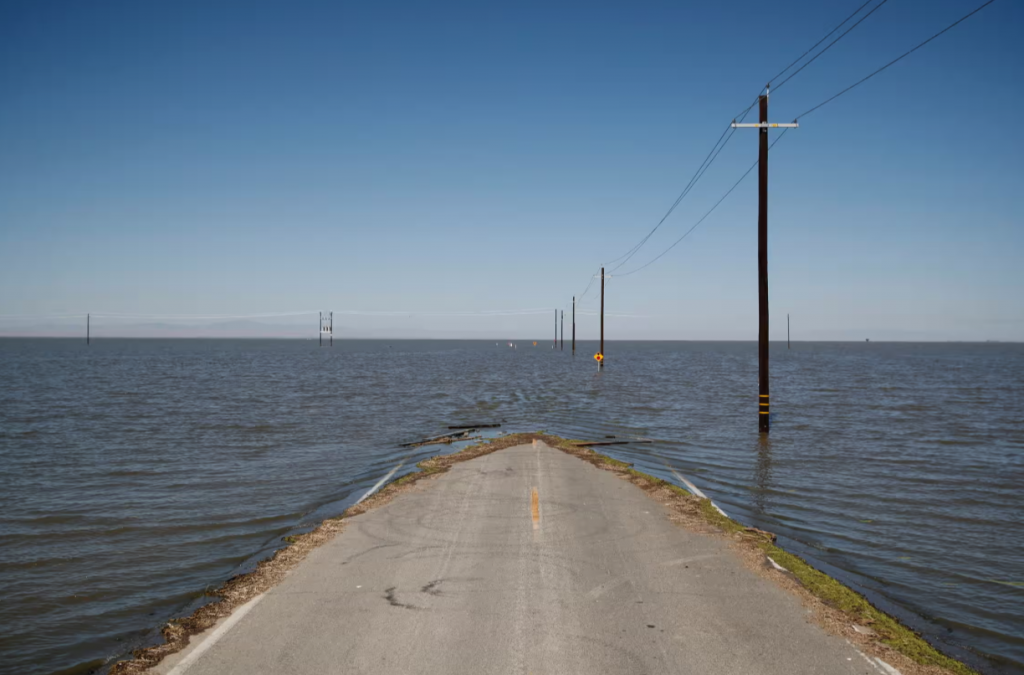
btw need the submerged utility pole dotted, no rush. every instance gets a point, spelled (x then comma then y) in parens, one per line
(561, 346)
(321, 329)
(574, 325)
(600, 362)
(87, 328)
(787, 331)
(764, 409)
(332, 329)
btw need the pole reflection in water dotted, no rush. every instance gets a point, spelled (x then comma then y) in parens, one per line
(763, 474)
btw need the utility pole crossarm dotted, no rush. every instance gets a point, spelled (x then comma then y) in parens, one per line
(764, 125)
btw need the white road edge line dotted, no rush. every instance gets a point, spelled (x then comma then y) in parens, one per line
(380, 482)
(215, 636)
(876, 663)
(237, 615)
(695, 490)
(889, 670)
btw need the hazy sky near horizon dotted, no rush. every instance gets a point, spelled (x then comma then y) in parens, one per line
(241, 158)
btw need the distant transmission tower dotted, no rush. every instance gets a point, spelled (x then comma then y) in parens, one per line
(327, 328)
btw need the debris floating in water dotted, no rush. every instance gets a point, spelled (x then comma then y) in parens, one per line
(443, 438)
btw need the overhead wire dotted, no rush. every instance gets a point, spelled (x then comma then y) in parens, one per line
(812, 48)
(826, 101)
(705, 166)
(899, 58)
(693, 181)
(710, 158)
(720, 145)
(841, 36)
(581, 296)
(743, 113)
(702, 218)
(680, 199)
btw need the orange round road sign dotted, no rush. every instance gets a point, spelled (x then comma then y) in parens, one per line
(599, 357)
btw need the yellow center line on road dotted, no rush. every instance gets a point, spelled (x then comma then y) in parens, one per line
(535, 509)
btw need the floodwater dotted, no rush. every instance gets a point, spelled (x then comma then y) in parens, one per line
(135, 474)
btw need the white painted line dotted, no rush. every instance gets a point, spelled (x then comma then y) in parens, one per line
(693, 488)
(876, 663)
(380, 482)
(215, 636)
(889, 670)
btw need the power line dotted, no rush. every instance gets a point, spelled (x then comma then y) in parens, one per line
(827, 36)
(635, 248)
(743, 113)
(841, 36)
(579, 298)
(693, 181)
(644, 241)
(710, 158)
(720, 145)
(826, 101)
(810, 49)
(721, 199)
(899, 58)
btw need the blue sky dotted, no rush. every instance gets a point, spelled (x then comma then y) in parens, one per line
(237, 158)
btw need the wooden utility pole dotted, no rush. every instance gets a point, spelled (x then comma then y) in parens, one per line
(600, 364)
(574, 325)
(562, 343)
(764, 409)
(764, 414)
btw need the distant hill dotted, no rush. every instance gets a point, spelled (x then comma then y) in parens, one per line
(238, 328)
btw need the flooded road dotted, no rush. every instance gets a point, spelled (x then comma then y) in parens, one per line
(135, 474)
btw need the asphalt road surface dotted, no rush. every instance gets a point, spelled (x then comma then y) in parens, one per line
(524, 561)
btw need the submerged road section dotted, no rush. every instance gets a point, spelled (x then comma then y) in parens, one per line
(525, 561)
